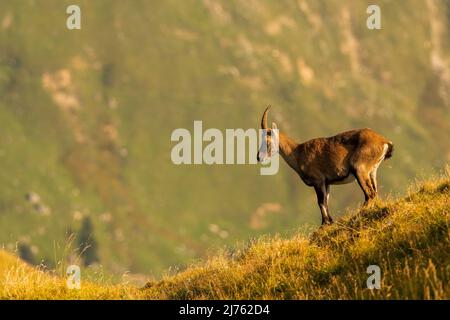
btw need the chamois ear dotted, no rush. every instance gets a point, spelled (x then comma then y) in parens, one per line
(275, 132)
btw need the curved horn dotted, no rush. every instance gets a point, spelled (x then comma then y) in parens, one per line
(264, 118)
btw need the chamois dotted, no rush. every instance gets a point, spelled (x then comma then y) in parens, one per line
(322, 162)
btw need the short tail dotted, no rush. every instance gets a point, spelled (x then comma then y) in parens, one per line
(390, 150)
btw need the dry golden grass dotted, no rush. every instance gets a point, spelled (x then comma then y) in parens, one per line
(21, 281)
(407, 238)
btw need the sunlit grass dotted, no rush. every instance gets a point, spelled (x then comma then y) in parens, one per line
(407, 238)
(21, 281)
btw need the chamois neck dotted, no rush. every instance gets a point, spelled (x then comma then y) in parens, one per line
(287, 150)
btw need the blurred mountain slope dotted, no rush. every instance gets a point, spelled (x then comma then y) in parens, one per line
(87, 115)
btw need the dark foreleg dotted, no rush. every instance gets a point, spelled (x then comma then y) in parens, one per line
(322, 193)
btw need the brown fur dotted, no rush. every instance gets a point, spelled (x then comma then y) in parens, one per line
(339, 159)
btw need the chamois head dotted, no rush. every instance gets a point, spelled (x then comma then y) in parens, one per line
(270, 139)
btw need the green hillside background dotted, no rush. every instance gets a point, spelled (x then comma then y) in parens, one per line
(86, 117)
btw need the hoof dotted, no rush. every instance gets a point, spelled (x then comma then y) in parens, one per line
(327, 222)
(369, 202)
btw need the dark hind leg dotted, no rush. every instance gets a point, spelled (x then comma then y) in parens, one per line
(366, 185)
(327, 197)
(322, 193)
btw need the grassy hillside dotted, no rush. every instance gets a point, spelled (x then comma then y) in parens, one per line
(86, 116)
(18, 280)
(407, 238)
